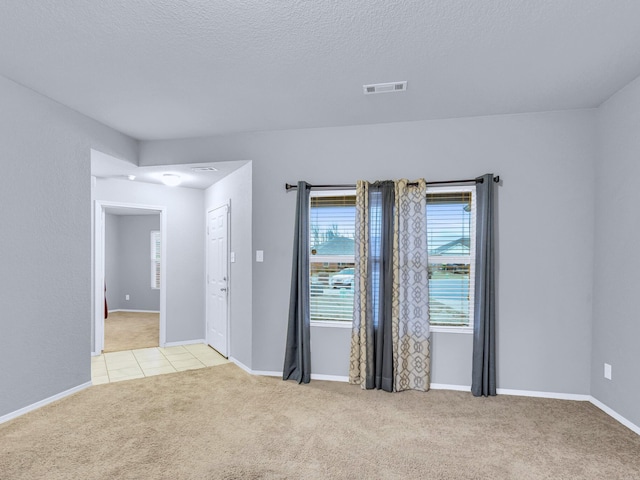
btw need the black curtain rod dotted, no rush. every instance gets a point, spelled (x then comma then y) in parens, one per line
(496, 179)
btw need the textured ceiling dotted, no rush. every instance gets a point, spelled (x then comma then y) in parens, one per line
(176, 68)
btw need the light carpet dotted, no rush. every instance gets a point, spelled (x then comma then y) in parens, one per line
(222, 423)
(130, 331)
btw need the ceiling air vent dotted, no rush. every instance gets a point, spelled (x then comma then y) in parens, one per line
(384, 87)
(204, 169)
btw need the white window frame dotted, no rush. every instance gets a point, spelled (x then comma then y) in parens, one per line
(330, 258)
(471, 260)
(155, 262)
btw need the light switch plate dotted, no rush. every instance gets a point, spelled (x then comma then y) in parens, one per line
(233, 257)
(259, 255)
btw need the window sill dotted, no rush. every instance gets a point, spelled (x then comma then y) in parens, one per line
(444, 329)
(331, 323)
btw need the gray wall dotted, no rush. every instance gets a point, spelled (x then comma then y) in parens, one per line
(45, 281)
(185, 244)
(235, 189)
(616, 329)
(128, 255)
(545, 229)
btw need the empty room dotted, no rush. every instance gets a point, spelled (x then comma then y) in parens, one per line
(363, 239)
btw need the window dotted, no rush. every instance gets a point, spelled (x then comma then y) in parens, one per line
(155, 259)
(332, 217)
(450, 241)
(451, 244)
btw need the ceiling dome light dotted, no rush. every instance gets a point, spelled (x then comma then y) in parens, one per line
(171, 179)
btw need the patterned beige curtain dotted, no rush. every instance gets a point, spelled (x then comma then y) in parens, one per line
(409, 293)
(358, 359)
(410, 306)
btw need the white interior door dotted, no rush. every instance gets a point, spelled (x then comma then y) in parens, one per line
(217, 279)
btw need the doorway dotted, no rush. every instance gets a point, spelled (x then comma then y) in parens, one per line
(155, 275)
(217, 305)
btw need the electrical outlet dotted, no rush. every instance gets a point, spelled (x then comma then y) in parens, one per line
(126, 297)
(607, 371)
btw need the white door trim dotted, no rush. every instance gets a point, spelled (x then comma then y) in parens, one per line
(229, 291)
(99, 267)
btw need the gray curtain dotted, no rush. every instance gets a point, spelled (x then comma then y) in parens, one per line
(483, 377)
(380, 285)
(297, 359)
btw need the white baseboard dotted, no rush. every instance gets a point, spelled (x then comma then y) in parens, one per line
(241, 365)
(518, 393)
(532, 393)
(266, 373)
(133, 311)
(444, 386)
(612, 413)
(42, 403)
(184, 342)
(329, 378)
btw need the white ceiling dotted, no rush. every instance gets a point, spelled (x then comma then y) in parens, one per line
(106, 166)
(157, 69)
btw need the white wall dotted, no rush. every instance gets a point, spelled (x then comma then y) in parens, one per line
(185, 249)
(616, 327)
(235, 190)
(545, 230)
(45, 224)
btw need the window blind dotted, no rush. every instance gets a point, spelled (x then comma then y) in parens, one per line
(155, 259)
(451, 245)
(331, 256)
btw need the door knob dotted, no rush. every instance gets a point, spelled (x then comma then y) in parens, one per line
(223, 289)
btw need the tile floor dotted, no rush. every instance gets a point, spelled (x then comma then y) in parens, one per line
(145, 362)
